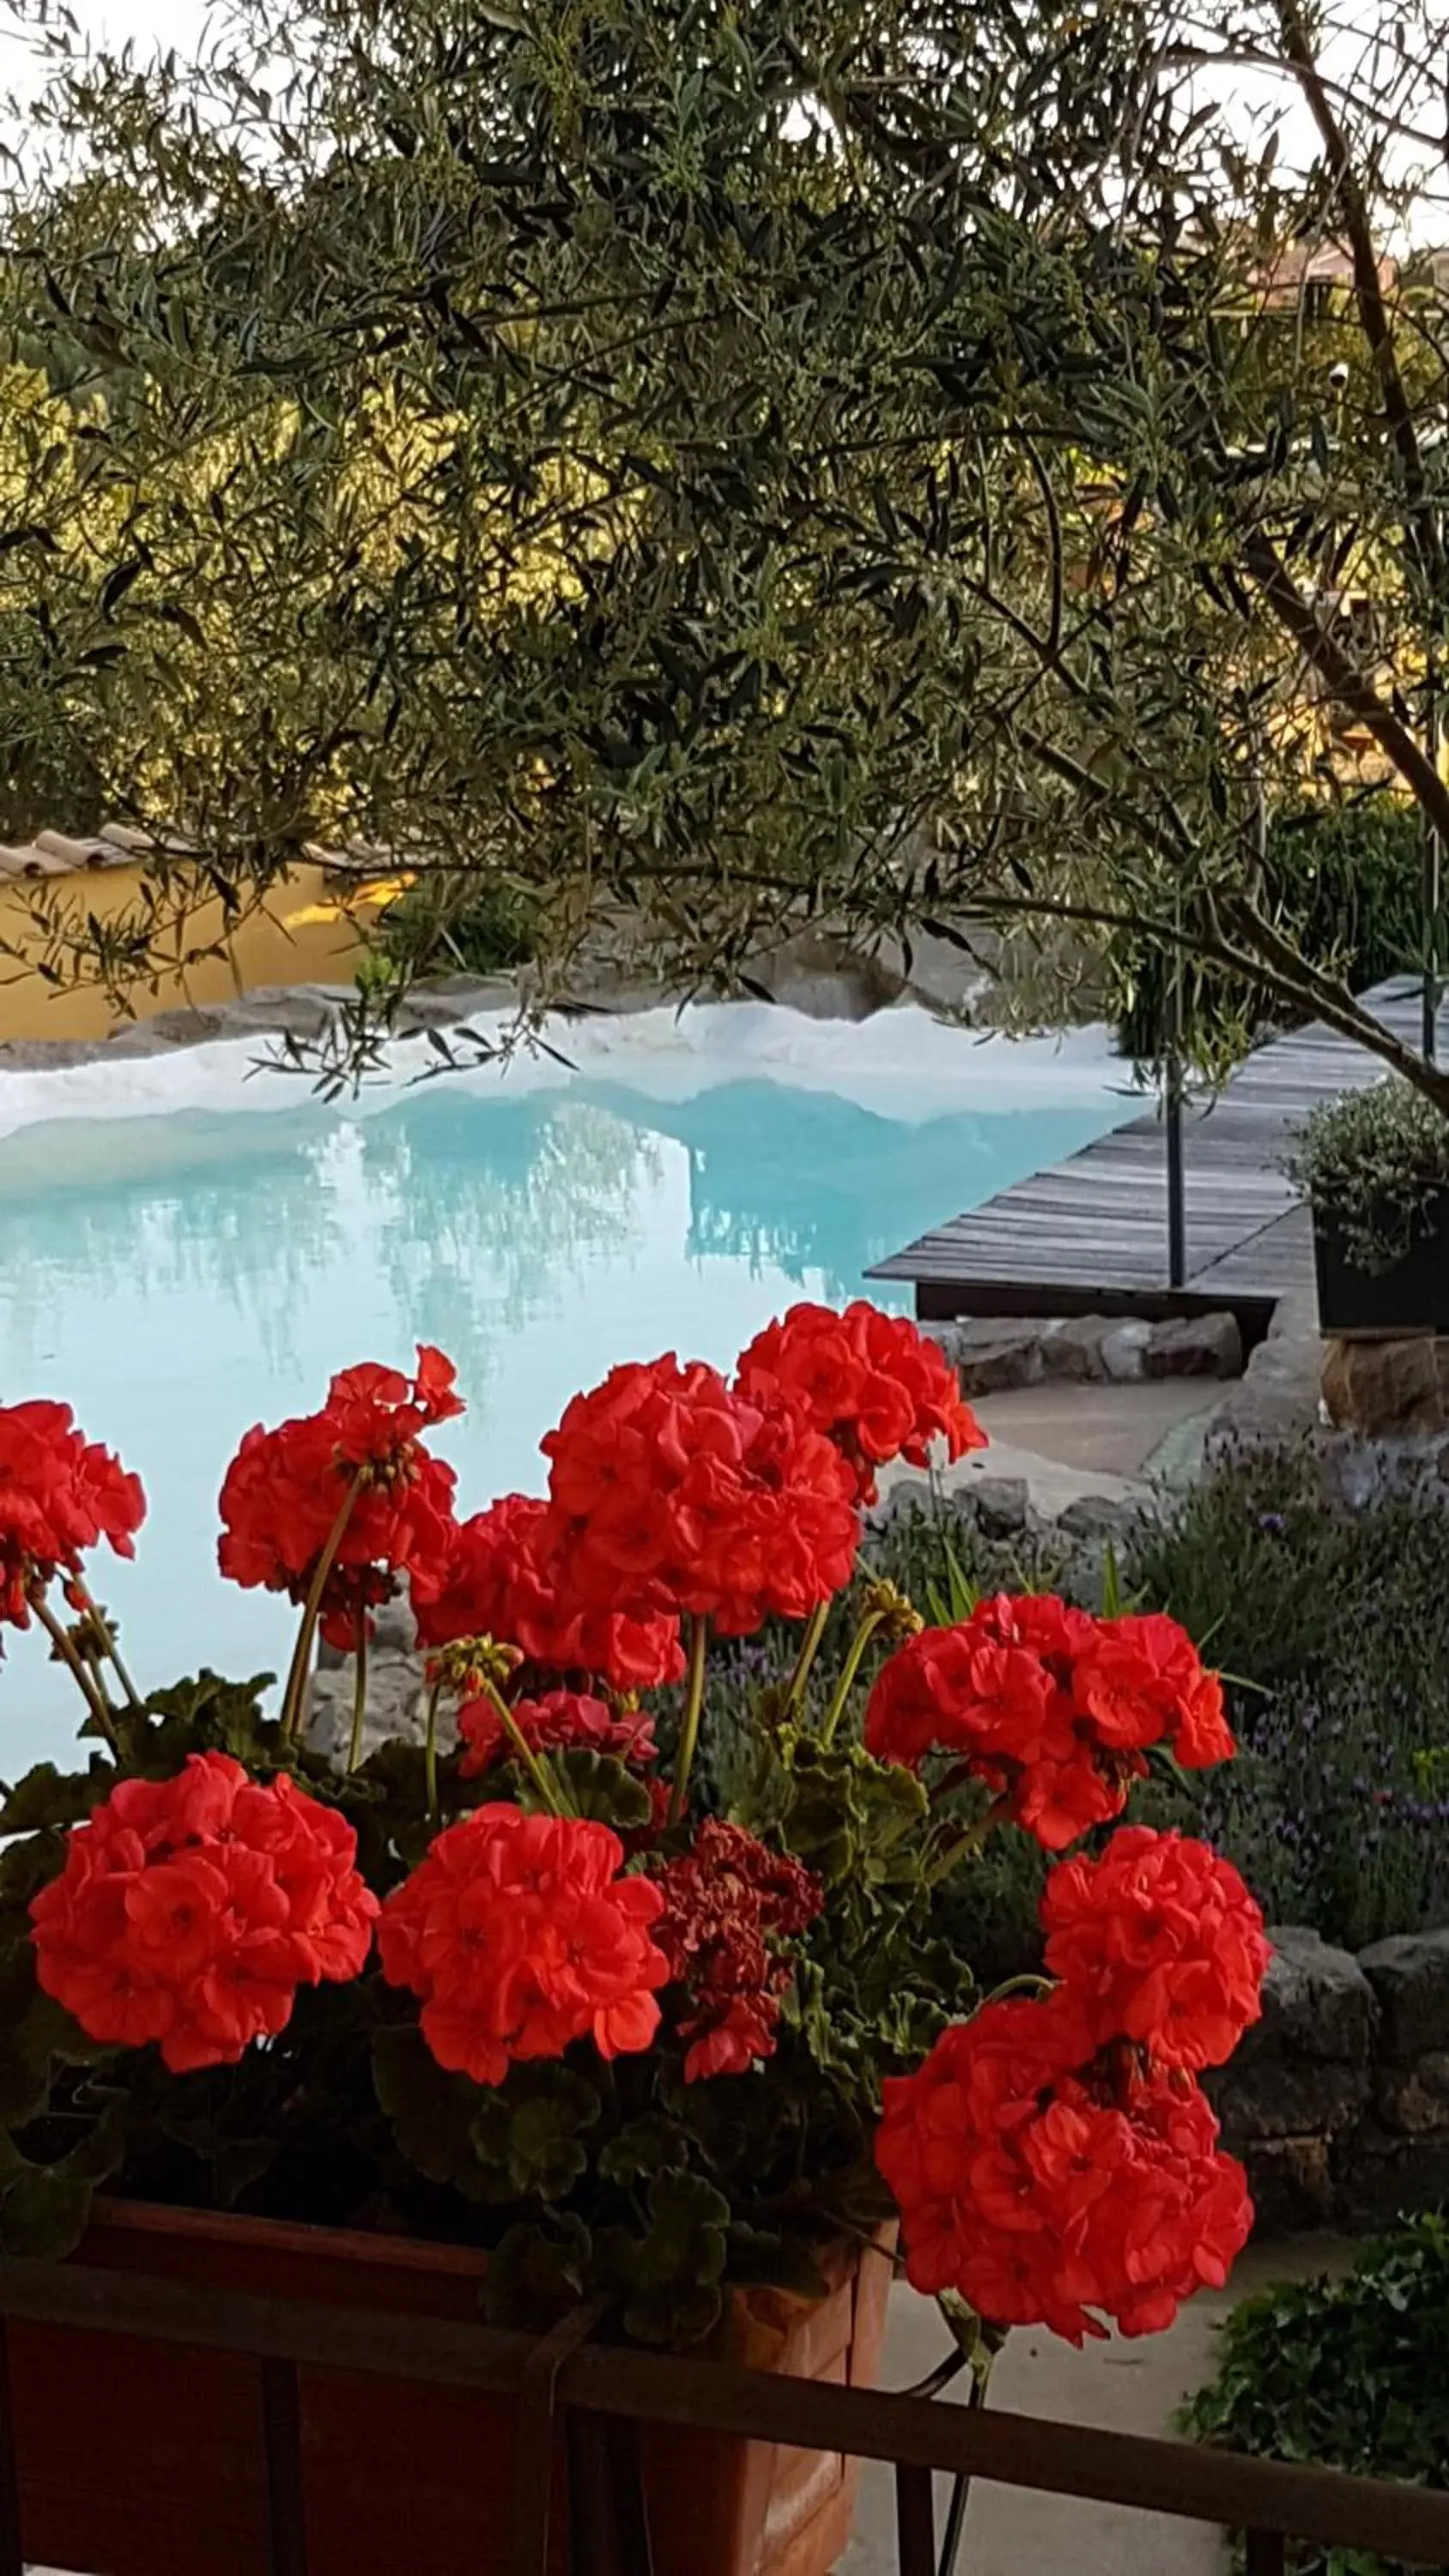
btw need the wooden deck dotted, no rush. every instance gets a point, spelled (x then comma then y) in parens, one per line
(1090, 1235)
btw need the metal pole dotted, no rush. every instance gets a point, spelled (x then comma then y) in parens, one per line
(1433, 871)
(1172, 1118)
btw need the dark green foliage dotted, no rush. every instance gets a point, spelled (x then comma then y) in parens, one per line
(1343, 881)
(1334, 1626)
(478, 927)
(1346, 2373)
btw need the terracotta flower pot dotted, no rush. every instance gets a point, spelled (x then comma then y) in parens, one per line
(145, 2459)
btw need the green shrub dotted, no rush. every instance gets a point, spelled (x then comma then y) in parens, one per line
(1348, 2373)
(497, 928)
(1342, 880)
(1334, 1629)
(1366, 1159)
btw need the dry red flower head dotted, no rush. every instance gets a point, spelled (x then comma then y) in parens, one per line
(560, 1719)
(59, 1495)
(189, 1911)
(1049, 2189)
(726, 1903)
(519, 1937)
(1160, 1943)
(873, 1383)
(504, 1577)
(681, 1497)
(285, 1488)
(1051, 1708)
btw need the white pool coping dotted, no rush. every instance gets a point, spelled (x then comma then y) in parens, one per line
(902, 1062)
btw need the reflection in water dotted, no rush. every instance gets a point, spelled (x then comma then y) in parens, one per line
(177, 1278)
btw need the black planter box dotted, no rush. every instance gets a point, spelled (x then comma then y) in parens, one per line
(1410, 1297)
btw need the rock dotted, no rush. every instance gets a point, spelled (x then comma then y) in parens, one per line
(1410, 1977)
(1101, 1520)
(1388, 1387)
(1195, 1346)
(1000, 1505)
(1123, 1352)
(993, 1355)
(1275, 1402)
(397, 1704)
(1292, 2183)
(1415, 2099)
(1385, 2178)
(1304, 2070)
(1074, 1349)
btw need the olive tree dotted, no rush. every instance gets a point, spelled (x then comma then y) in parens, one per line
(715, 470)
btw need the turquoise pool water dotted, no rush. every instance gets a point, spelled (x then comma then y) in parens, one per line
(179, 1276)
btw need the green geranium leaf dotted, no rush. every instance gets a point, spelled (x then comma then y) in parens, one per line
(669, 2278)
(537, 2273)
(204, 1713)
(598, 1785)
(237, 2164)
(527, 2134)
(26, 1867)
(49, 1797)
(44, 2209)
(776, 2256)
(646, 2147)
(432, 2113)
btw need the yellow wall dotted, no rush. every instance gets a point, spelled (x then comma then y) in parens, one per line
(306, 934)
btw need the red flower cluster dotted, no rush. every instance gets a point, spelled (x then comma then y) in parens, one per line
(871, 1382)
(725, 1902)
(1049, 2188)
(681, 1497)
(1160, 1943)
(1051, 1708)
(285, 1488)
(561, 1718)
(504, 1578)
(190, 1910)
(59, 1494)
(519, 1937)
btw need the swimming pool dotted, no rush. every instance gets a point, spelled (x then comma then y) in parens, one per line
(185, 1250)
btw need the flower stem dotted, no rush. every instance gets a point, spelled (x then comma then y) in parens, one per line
(809, 1649)
(359, 1688)
(294, 1696)
(693, 1706)
(430, 1753)
(90, 1689)
(970, 1839)
(524, 1750)
(848, 1671)
(107, 1636)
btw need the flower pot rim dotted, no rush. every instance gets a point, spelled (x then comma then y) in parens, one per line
(286, 2235)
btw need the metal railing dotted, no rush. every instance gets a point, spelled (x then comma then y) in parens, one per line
(594, 2397)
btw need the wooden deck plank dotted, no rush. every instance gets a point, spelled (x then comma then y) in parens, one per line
(1090, 1234)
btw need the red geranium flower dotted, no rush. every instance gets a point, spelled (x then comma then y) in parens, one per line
(503, 1577)
(1160, 1943)
(190, 1910)
(874, 1384)
(1050, 2190)
(519, 1937)
(726, 1903)
(560, 1718)
(1017, 1692)
(680, 1497)
(59, 1494)
(1142, 1679)
(285, 1488)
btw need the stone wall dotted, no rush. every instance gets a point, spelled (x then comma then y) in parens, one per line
(1338, 2099)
